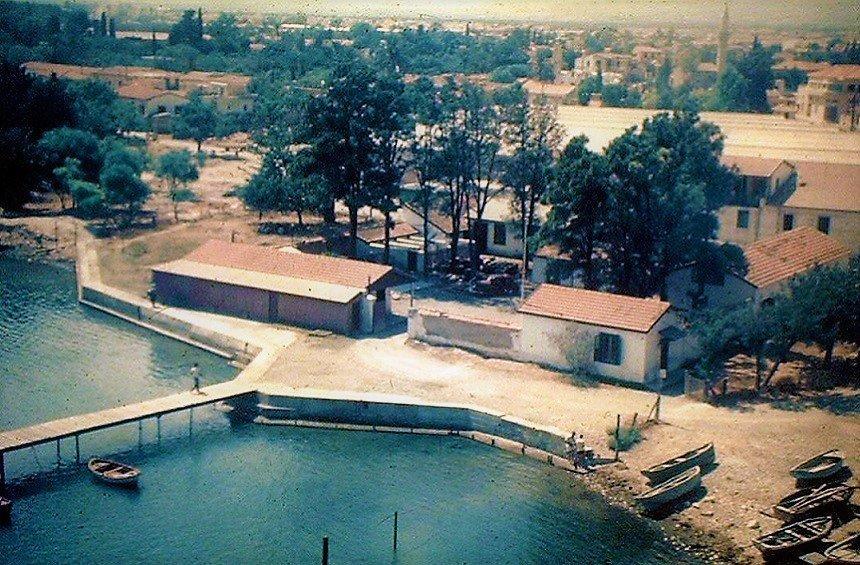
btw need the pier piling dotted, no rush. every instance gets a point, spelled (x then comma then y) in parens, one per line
(190, 420)
(158, 427)
(2, 472)
(78, 449)
(140, 434)
(59, 461)
(395, 531)
(325, 551)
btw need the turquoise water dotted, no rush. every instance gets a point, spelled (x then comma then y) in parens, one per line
(233, 492)
(58, 358)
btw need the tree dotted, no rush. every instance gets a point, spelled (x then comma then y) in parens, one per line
(670, 184)
(29, 106)
(64, 143)
(579, 194)
(533, 134)
(285, 183)
(732, 91)
(89, 198)
(589, 86)
(197, 120)
(178, 168)
(123, 187)
(65, 177)
(570, 56)
(756, 67)
(227, 37)
(350, 128)
(187, 30)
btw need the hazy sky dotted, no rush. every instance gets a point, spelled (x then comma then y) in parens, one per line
(841, 13)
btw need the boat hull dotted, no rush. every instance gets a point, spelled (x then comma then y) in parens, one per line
(828, 499)
(113, 473)
(808, 533)
(702, 458)
(819, 467)
(846, 552)
(665, 494)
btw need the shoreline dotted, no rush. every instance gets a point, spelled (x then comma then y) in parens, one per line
(608, 481)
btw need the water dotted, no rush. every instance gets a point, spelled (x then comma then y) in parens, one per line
(234, 492)
(59, 358)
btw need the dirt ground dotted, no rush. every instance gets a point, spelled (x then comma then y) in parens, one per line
(757, 443)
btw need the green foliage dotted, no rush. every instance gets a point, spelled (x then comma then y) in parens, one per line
(197, 120)
(756, 68)
(619, 96)
(64, 143)
(89, 199)
(178, 167)
(732, 91)
(570, 56)
(510, 73)
(123, 187)
(628, 436)
(226, 36)
(188, 30)
(589, 86)
(65, 177)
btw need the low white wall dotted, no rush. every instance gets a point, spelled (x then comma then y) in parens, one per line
(485, 337)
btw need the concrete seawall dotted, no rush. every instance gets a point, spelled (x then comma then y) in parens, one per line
(278, 405)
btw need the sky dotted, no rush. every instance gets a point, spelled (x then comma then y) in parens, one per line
(789, 13)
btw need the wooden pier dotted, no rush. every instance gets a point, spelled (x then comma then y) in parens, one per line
(75, 426)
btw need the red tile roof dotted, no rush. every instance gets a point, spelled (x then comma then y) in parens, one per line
(838, 72)
(781, 257)
(321, 268)
(373, 235)
(595, 308)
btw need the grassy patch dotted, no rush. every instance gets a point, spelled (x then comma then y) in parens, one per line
(628, 436)
(135, 250)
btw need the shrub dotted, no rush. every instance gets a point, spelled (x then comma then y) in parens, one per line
(628, 436)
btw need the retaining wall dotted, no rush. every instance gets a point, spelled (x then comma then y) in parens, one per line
(373, 410)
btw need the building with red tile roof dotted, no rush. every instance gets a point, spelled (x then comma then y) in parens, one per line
(267, 284)
(610, 335)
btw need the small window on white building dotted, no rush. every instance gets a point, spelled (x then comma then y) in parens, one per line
(788, 222)
(607, 348)
(500, 235)
(743, 219)
(824, 224)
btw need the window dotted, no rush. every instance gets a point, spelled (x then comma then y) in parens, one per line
(743, 219)
(824, 224)
(607, 348)
(788, 222)
(500, 236)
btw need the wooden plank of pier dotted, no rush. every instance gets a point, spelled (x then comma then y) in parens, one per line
(75, 425)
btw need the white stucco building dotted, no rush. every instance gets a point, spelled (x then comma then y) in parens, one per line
(610, 335)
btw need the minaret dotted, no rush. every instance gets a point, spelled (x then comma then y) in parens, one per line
(723, 47)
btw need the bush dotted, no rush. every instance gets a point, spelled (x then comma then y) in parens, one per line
(628, 436)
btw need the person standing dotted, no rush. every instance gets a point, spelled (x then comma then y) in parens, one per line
(195, 374)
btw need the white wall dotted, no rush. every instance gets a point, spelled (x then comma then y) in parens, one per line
(545, 340)
(733, 291)
(513, 246)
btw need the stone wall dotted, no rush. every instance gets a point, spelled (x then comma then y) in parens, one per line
(492, 338)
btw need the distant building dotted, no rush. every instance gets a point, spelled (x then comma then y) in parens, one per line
(723, 44)
(610, 335)
(772, 263)
(405, 247)
(831, 97)
(556, 93)
(155, 91)
(500, 229)
(263, 283)
(773, 196)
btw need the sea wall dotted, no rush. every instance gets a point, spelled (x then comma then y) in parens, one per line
(381, 412)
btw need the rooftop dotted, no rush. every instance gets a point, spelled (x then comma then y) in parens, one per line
(751, 166)
(319, 276)
(826, 186)
(399, 229)
(838, 72)
(781, 257)
(595, 308)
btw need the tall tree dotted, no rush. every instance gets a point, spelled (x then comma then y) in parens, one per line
(670, 184)
(756, 67)
(122, 186)
(578, 195)
(349, 127)
(187, 30)
(285, 183)
(178, 168)
(197, 120)
(227, 37)
(533, 134)
(29, 106)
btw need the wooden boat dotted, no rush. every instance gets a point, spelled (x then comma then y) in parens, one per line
(701, 457)
(846, 552)
(5, 508)
(794, 539)
(819, 467)
(113, 473)
(808, 502)
(671, 490)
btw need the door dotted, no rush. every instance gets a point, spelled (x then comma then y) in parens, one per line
(664, 354)
(412, 261)
(273, 307)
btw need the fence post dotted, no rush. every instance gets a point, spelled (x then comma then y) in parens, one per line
(657, 410)
(325, 551)
(617, 432)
